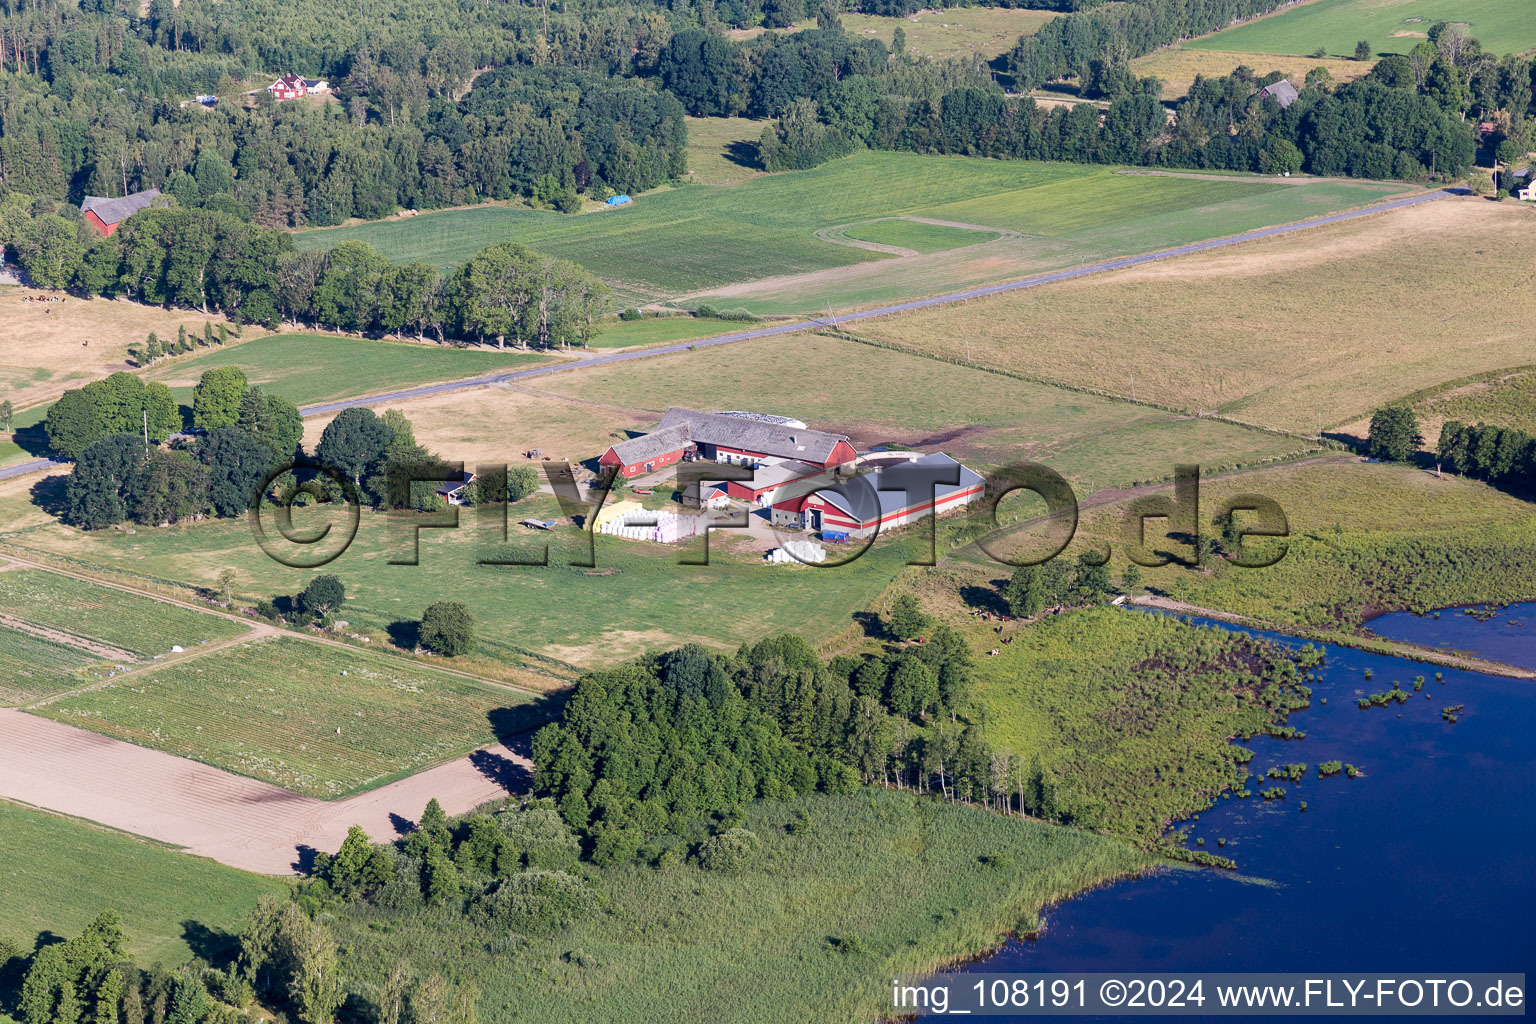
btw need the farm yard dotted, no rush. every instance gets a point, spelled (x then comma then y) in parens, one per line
(94, 615)
(1315, 328)
(1390, 26)
(58, 873)
(710, 244)
(316, 719)
(879, 396)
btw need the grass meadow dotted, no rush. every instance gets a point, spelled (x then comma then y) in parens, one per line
(1390, 26)
(310, 368)
(1502, 399)
(139, 625)
(57, 874)
(878, 884)
(1177, 66)
(879, 396)
(1316, 328)
(917, 235)
(315, 719)
(939, 34)
(683, 241)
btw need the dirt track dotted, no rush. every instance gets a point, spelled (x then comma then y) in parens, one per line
(237, 821)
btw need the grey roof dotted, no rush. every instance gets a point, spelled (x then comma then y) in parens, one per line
(1283, 91)
(115, 211)
(865, 504)
(652, 445)
(753, 435)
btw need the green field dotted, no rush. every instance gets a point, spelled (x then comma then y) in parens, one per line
(660, 330)
(139, 625)
(916, 235)
(271, 708)
(1390, 26)
(675, 242)
(919, 883)
(1501, 399)
(56, 875)
(310, 368)
(31, 666)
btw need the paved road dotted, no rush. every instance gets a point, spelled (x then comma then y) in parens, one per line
(840, 318)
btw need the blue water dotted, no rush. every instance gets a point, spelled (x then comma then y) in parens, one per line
(1509, 636)
(1424, 863)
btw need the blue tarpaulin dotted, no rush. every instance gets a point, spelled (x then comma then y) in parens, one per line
(618, 200)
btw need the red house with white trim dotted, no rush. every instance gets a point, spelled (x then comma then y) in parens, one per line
(289, 87)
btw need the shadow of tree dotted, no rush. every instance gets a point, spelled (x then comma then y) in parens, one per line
(744, 154)
(211, 944)
(404, 633)
(48, 494)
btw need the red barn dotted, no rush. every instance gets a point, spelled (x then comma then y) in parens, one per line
(865, 510)
(104, 214)
(747, 439)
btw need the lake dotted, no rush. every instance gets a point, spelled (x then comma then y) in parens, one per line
(1424, 863)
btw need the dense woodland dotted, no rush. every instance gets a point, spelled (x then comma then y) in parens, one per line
(456, 103)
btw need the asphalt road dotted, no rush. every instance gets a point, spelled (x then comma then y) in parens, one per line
(838, 318)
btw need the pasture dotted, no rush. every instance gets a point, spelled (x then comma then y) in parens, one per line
(1505, 399)
(1178, 65)
(315, 719)
(700, 243)
(938, 34)
(57, 874)
(918, 236)
(883, 397)
(310, 368)
(723, 150)
(1390, 26)
(78, 613)
(1315, 328)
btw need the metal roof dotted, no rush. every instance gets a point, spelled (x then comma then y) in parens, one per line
(1283, 91)
(653, 445)
(753, 435)
(115, 211)
(865, 505)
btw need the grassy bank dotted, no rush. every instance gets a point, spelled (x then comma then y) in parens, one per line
(880, 882)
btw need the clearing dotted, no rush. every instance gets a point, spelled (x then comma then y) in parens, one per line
(939, 34)
(1318, 327)
(1177, 66)
(315, 719)
(1390, 26)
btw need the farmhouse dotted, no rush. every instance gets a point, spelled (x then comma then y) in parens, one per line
(1282, 92)
(745, 439)
(104, 214)
(289, 87)
(864, 511)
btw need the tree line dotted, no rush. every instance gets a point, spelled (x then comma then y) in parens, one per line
(210, 261)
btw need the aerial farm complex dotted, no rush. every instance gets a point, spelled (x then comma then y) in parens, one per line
(801, 478)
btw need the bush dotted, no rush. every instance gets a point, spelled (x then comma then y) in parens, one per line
(447, 628)
(541, 837)
(731, 850)
(631, 314)
(536, 901)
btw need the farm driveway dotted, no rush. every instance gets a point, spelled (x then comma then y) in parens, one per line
(234, 820)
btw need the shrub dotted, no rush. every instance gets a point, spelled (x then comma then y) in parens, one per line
(541, 838)
(536, 901)
(731, 850)
(447, 628)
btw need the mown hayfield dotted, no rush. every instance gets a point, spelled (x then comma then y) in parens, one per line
(311, 368)
(31, 666)
(637, 599)
(139, 625)
(57, 874)
(313, 718)
(879, 396)
(917, 235)
(1390, 26)
(723, 150)
(1177, 66)
(939, 34)
(919, 883)
(676, 242)
(1315, 328)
